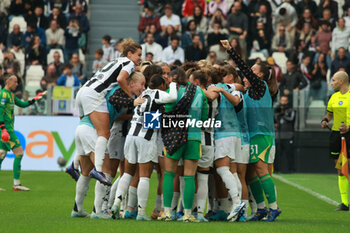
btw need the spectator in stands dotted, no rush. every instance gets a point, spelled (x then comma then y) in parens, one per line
(5, 6)
(284, 119)
(327, 16)
(68, 79)
(235, 45)
(331, 5)
(277, 69)
(25, 111)
(39, 107)
(35, 3)
(57, 63)
(216, 33)
(261, 42)
(10, 62)
(262, 16)
(191, 30)
(173, 52)
(55, 36)
(166, 36)
(212, 58)
(63, 5)
(15, 38)
(170, 19)
(152, 47)
(340, 61)
(318, 83)
(82, 19)
(292, 80)
(307, 17)
(220, 52)
(73, 3)
(99, 62)
(340, 36)
(189, 5)
(347, 18)
(147, 20)
(286, 15)
(118, 51)
(51, 77)
(322, 39)
(72, 34)
(217, 4)
(218, 17)
(17, 8)
(3, 30)
(306, 34)
(59, 17)
(237, 24)
(149, 57)
(36, 53)
(157, 5)
(196, 51)
(78, 68)
(33, 30)
(176, 5)
(200, 20)
(2, 81)
(282, 41)
(305, 68)
(108, 50)
(38, 18)
(307, 4)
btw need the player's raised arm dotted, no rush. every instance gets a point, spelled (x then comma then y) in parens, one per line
(170, 97)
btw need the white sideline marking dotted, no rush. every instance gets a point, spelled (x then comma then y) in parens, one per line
(307, 190)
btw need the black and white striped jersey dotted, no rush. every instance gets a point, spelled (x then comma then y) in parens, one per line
(154, 98)
(105, 79)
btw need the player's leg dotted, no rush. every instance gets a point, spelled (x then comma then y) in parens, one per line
(241, 171)
(18, 151)
(145, 171)
(101, 123)
(129, 208)
(160, 175)
(73, 169)
(2, 155)
(179, 184)
(190, 167)
(82, 186)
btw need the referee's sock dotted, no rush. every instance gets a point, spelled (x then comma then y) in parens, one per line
(344, 189)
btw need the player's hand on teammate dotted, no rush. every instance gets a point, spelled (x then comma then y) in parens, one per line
(5, 137)
(215, 89)
(138, 101)
(226, 44)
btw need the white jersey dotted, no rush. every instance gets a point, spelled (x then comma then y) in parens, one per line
(154, 98)
(105, 79)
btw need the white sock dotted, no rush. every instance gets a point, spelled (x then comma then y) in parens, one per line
(223, 204)
(100, 149)
(252, 202)
(166, 209)
(132, 198)
(162, 200)
(239, 185)
(76, 162)
(158, 205)
(187, 211)
(175, 201)
(194, 204)
(215, 207)
(211, 192)
(273, 205)
(113, 191)
(202, 192)
(100, 191)
(82, 187)
(122, 188)
(230, 183)
(246, 202)
(182, 188)
(142, 195)
(16, 182)
(108, 191)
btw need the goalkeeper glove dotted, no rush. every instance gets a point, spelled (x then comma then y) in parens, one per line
(37, 97)
(5, 137)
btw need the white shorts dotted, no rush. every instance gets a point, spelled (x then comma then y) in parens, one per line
(272, 155)
(229, 146)
(160, 145)
(85, 139)
(88, 100)
(116, 142)
(207, 156)
(140, 150)
(244, 155)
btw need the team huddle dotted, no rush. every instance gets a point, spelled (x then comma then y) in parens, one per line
(225, 155)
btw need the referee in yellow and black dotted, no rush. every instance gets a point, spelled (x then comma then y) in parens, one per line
(338, 108)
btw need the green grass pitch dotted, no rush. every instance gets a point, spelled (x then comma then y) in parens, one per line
(47, 207)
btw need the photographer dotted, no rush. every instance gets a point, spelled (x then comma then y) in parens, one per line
(284, 118)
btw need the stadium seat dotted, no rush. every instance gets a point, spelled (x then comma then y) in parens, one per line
(20, 21)
(20, 56)
(34, 75)
(81, 56)
(51, 53)
(256, 55)
(281, 60)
